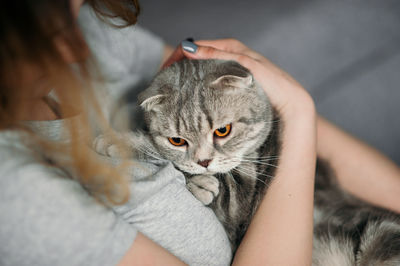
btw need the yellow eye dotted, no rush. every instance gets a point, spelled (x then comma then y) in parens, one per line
(177, 141)
(223, 131)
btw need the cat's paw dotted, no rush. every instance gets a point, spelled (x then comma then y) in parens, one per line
(204, 187)
(109, 146)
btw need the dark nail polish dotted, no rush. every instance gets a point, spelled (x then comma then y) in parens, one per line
(189, 46)
(190, 39)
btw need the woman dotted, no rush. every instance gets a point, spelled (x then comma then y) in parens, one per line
(59, 203)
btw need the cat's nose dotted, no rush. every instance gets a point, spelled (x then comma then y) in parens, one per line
(204, 163)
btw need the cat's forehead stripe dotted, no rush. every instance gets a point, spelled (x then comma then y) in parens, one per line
(184, 122)
(204, 109)
(177, 127)
(199, 122)
(196, 69)
(181, 74)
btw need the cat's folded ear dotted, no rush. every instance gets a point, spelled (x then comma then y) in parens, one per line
(231, 74)
(151, 98)
(151, 103)
(232, 81)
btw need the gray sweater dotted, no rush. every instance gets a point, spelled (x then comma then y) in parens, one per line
(48, 219)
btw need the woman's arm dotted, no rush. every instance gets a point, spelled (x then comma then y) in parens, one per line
(283, 223)
(361, 169)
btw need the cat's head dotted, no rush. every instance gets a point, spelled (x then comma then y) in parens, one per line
(206, 115)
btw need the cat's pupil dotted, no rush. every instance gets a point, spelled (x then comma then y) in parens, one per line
(222, 130)
(177, 140)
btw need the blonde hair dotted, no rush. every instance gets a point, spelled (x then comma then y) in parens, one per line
(27, 30)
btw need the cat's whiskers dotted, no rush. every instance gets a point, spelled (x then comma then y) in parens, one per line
(150, 153)
(261, 157)
(259, 162)
(251, 171)
(254, 160)
(244, 173)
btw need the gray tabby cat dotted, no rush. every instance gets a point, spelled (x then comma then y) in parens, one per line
(215, 123)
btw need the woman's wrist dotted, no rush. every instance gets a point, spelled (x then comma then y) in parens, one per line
(298, 108)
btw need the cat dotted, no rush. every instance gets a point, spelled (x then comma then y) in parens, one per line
(216, 124)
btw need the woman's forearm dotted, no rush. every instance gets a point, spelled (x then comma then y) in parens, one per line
(361, 170)
(281, 230)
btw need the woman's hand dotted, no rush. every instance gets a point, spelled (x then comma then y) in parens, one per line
(286, 94)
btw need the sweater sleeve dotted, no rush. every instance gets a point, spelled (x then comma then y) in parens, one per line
(48, 219)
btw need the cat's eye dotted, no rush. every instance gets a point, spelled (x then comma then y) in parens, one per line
(177, 141)
(223, 131)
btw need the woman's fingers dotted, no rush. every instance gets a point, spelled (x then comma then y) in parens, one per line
(229, 45)
(232, 46)
(207, 52)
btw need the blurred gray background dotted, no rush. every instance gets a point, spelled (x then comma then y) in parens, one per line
(345, 52)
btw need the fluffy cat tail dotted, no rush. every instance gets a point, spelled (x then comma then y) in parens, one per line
(380, 244)
(331, 251)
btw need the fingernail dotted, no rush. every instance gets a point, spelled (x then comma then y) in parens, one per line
(189, 46)
(190, 39)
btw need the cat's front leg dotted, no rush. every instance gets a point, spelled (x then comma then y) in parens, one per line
(204, 187)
